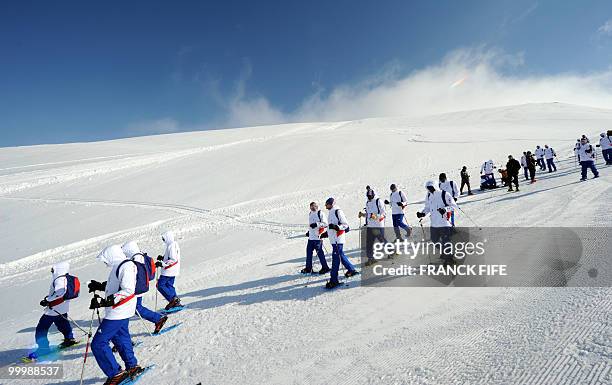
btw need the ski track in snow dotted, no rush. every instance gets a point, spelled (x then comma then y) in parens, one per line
(256, 321)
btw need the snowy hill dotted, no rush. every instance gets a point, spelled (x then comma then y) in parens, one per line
(237, 198)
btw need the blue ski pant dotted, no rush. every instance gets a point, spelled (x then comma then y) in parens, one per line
(442, 235)
(541, 163)
(337, 257)
(551, 165)
(117, 332)
(526, 171)
(42, 329)
(165, 285)
(145, 313)
(312, 246)
(398, 222)
(586, 165)
(607, 155)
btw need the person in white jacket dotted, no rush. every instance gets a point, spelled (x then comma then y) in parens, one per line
(56, 312)
(317, 229)
(451, 188)
(605, 142)
(550, 156)
(375, 215)
(336, 229)
(132, 251)
(398, 202)
(120, 305)
(439, 205)
(539, 153)
(586, 155)
(525, 165)
(170, 263)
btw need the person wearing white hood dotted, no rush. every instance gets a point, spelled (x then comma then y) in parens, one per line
(120, 305)
(56, 312)
(375, 215)
(132, 251)
(170, 265)
(337, 228)
(439, 205)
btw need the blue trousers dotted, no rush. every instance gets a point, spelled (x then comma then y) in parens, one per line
(586, 165)
(145, 313)
(442, 235)
(42, 329)
(312, 246)
(551, 165)
(526, 171)
(117, 332)
(607, 155)
(165, 285)
(337, 257)
(541, 164)
(398, 222)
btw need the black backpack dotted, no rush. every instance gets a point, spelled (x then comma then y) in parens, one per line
(340, 223)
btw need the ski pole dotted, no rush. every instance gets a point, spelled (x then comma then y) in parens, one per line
(156, 291)
(68, 319)
(423, 232)
(470, 218)
(144, 324)
(87, 346)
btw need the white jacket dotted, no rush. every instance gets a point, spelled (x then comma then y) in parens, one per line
(395, 198)
(605, 142)
(375, 208)
(172, 256)
(523, 161)
(132, 251)
(120, 284)
(586, 152)
(434, 201)
(318, 218)
(450, 187)
(58, 289)
(337, 237)
(549, 153)
(487, 167)
(539, 152)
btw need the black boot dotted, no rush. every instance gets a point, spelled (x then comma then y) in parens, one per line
(324, 270)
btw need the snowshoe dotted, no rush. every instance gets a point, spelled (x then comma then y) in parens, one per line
(324, 270)
(470, 193)
(118, 378)
(583, 179)
(160, 324)
(134, 371)
(370, 262)
(596, 176)
(68, 342)
(332, 285)
(306, 271)
(349, 274)
(176, 302)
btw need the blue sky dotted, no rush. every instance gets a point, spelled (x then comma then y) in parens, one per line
(82, 71)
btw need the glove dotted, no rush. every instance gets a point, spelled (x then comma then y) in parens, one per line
(334, 227)
(44, 302)
(96, 286)
(324, 235)
(400, 204)
(420, 214)
(313, 225)
(98, 302)
(386, 202)
(160, 257)
(159, 264)
(441, 211)
(360, 215)
(455, 199)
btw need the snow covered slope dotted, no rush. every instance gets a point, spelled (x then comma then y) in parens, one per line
(238, 197)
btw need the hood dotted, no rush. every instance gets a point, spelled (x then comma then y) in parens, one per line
(130, 249)
(60, 269)
(430, 183)
(168, 237)
(111, 255)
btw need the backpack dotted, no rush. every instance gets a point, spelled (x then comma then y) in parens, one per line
(73, 286)
(142, 278)
(149, 265)
(340, 223)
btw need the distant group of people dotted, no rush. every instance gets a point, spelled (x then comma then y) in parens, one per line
(131, 270)
(440, 205)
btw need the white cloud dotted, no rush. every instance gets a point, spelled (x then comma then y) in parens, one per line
(606, 28)
(465, 79)
(152, 127)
